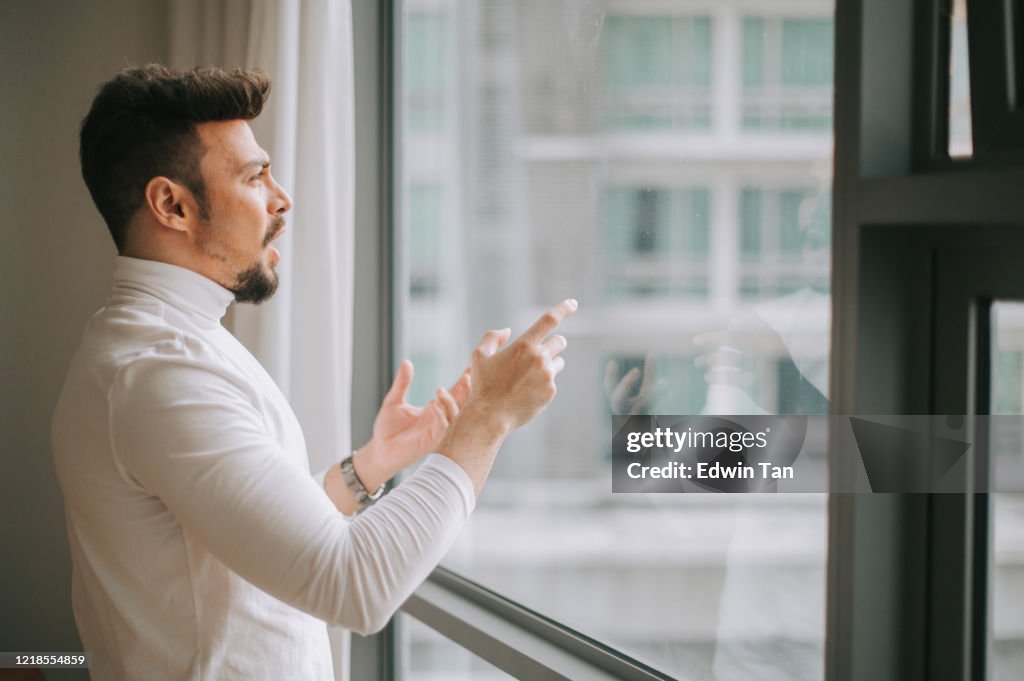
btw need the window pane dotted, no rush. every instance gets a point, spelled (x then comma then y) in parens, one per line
(787, 72)
(657, 241)
(1006, 561)
(426, 238)
(753, 51)
(669, 167)
(426, 69)
(960, 140)
(429, 656)
(657, 71)
(807, 52)
(750, 216)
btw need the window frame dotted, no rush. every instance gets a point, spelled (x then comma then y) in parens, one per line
(373, 334)
(905, 595)
(997, 102)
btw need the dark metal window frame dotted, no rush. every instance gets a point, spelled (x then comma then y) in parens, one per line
(907, 597)
(997, 78)
(902, 594)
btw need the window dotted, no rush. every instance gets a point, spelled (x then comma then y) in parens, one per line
(787, 73)
(1007, 509)
(959, 84)
(902, 598)
(656, 241)
(427, 70)
(784, 240)
(601, 151)
(427, 243)
(657, 71)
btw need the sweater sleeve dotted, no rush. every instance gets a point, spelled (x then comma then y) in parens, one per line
(191, 436)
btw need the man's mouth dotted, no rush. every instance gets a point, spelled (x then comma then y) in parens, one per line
(276, 229)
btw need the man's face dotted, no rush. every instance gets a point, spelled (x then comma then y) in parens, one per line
(246, 208)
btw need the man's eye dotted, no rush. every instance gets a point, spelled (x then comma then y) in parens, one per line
(258, 176)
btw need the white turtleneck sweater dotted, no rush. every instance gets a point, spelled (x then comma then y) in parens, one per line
(202, 547)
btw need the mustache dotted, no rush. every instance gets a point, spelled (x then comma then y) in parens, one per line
(275, 228)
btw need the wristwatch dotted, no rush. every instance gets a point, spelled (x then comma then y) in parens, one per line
(348, 474)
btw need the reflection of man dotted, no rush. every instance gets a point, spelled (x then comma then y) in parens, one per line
(202, 547)
(767, 623)
(786, 332)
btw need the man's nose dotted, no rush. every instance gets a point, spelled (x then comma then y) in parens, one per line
(282, 202)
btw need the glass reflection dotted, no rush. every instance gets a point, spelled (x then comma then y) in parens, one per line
(1006, 559)
(669, 165)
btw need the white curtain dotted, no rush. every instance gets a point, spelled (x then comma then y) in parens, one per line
(303, 335)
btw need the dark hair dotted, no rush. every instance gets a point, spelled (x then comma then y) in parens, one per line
(142, 124)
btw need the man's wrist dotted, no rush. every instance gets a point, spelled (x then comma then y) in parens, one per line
(473, 440)
(476, 425)
(366, 463)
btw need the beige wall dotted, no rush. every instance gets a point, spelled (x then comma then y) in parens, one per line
(55, 265)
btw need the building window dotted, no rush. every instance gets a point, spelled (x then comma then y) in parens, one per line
(425, 231)
(784, 240)
(426, 70)
(657, 72)
(656, 241)
(1008, 365)
(787, 73)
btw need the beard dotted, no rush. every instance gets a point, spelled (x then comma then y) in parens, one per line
(255, 284)
(258, 282)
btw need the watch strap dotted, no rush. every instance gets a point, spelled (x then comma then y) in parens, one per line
(355, 485)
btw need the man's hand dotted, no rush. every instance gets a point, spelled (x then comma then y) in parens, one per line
(510, 386)
(630, 394)
(729, 356)
(403, 433)
(409, 432)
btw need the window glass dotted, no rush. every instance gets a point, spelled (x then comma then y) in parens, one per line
(807, 52)
(960, 140)
(656, 242)
(425, 69)
(429, 656)
(787, 72)
(426, 239)
(784, 240)
(669, 165)
(1006, 560)
(657, 71)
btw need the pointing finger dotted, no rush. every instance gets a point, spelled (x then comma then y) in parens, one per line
(548, 321)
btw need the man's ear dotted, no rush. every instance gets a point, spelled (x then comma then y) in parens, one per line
(171, 204)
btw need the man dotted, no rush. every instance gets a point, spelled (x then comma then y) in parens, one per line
(202, 548)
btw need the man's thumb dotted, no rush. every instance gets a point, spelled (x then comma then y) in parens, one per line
(400, 386)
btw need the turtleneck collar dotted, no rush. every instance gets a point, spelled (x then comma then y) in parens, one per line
(177, 286)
